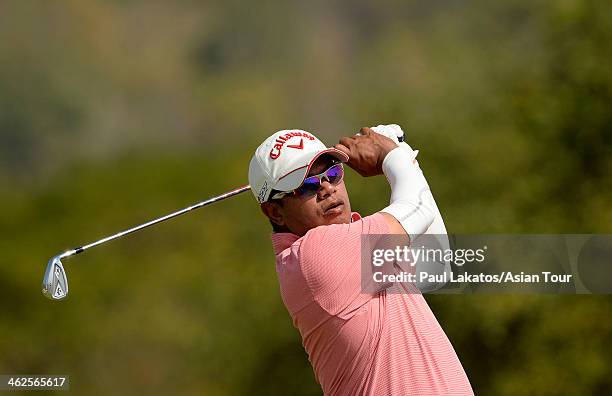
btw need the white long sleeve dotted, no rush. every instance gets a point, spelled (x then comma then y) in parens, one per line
(413, 205)
(411, 200)
(397, 171)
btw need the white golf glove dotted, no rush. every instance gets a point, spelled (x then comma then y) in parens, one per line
(395, 133)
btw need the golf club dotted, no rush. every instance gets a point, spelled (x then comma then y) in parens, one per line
(55, 282)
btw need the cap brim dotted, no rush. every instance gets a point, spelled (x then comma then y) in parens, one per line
(295, 178)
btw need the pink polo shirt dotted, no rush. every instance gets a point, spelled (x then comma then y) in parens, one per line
(361, 344)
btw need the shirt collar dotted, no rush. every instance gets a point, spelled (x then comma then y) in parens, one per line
(282, 240)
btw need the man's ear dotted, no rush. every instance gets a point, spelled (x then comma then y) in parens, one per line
(274, 211)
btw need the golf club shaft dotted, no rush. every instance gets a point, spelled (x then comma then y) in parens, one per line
(158, 220)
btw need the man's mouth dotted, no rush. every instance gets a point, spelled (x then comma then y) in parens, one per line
(334, 208)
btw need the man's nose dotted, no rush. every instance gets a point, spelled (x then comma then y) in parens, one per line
(326, 188)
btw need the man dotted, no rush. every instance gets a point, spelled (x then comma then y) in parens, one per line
(358, 342)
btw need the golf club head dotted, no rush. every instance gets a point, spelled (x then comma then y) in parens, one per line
(55, 283)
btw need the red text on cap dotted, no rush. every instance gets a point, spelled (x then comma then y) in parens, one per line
(282, 139)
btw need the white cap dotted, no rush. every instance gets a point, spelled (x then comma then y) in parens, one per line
(283, 160)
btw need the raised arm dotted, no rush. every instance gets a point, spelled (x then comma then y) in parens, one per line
(412, 209)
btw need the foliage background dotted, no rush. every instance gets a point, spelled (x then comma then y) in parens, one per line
(115, 112)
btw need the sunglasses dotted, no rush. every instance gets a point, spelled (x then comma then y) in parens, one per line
(311, 184)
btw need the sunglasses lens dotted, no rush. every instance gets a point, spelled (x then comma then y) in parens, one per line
(310, 185)
(335, 173)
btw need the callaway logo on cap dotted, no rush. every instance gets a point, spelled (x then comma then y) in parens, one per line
(283, 160)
